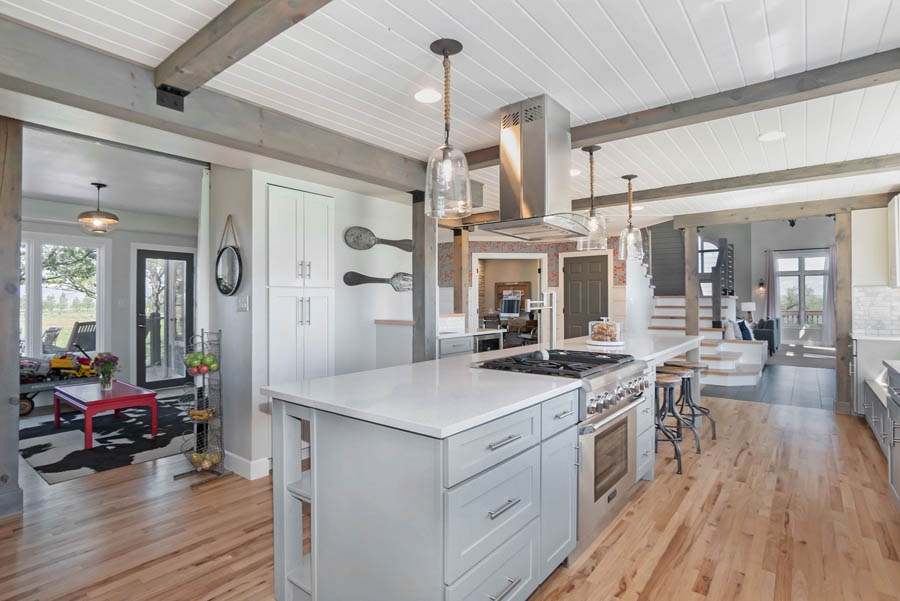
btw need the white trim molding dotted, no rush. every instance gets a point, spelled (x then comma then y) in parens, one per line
(249, 470)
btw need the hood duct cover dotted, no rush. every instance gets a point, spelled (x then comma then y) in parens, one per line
(535, 163)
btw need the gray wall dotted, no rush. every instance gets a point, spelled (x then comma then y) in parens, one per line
(815, 232)
(50, 217)
(231, 193)
(668, 259)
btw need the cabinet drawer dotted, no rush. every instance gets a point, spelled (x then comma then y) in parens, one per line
(644, 414)
(508, 574)
(559, 413)
(456, 346)
(483, 513)
(477, 449)
(645, 454)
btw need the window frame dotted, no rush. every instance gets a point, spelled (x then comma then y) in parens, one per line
(801, 272)
(34, 242)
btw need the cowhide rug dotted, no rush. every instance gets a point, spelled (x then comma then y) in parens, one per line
(58, 454)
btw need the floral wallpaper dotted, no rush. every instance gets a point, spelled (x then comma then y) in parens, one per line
(445, 257)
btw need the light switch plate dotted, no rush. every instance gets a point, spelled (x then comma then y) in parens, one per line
(243, 304)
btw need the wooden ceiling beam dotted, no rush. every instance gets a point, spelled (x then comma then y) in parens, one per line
(872, 70)
(793, 210)
(864, 166)
(241, 28)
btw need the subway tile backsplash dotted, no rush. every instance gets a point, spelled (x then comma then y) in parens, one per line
(876, 310)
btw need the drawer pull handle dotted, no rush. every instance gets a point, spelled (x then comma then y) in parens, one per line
(645, 453)
(646, 409)
(510, 503)
(564, 414)
(513, 583)
(511, 438)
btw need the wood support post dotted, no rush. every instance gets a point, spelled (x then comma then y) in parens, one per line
(461, 272)
(691, 283)
(10, 238)
(425, 286)
(843, 309)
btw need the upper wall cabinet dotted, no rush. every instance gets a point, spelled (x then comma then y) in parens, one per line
(301, 239)
(893, 242)
(871, 243)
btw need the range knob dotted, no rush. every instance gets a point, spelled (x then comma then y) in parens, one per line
(606, 400)
(645, 383)
(620, 394)
(593, 404)
(634, 386)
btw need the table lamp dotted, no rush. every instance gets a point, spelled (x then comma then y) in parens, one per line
(749, 308)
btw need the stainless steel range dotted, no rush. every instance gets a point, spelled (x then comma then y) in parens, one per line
(613, 389)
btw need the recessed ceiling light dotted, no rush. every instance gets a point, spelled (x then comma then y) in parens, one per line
(771, 136)
(574, 172)
(427, 95)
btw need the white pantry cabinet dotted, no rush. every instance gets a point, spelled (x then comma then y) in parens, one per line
(301, 238)
(301, 334)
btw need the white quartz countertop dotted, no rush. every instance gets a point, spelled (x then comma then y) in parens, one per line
(464, 333)
(444, 397)
(858, 336)
(893, 365)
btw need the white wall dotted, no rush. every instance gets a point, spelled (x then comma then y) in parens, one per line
(357, 307)
(869, 238)
(58, 218)
(815, 232)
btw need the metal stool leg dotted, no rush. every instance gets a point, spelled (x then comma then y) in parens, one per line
(696, 408)
(664, 402)
(682, 422)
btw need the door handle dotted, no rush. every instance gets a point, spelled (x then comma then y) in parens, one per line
(308, 311)
(578, 456)
(300, 270)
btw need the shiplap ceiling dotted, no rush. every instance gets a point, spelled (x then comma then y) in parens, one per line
(354, 65)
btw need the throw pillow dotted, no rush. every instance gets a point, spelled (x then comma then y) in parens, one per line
(745, 331)
(729, 330)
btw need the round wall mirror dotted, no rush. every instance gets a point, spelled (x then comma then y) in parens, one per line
(228, 270)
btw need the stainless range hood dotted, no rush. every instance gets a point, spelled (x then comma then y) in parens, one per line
(535, 163)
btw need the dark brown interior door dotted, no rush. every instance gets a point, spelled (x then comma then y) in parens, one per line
(585, 298)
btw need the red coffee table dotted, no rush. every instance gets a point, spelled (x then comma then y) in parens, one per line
(90, 400)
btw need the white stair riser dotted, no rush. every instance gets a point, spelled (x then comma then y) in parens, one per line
(712, 335)
(679, 311)
(679, 302)
(677, 323)
(731, 380)
(720, 363)
(750, 353)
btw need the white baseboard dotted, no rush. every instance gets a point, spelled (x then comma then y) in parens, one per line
(249, 470)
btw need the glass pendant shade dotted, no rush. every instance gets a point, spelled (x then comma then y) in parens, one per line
(448, 192)
(596, 240)
(98, 222)
(631, 243)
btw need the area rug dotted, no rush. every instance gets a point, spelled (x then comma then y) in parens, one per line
(799, 355)
(58, 454)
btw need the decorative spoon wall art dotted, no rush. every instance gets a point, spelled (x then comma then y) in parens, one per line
(400, 281)
(362, 238)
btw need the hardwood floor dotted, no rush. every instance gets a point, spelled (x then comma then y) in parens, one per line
(789, 503)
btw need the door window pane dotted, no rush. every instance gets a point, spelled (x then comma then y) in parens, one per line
(706, 288)
(789, 299)
(814, 263)
(788, 264)
(814, 303)
(165, 310)
(68, 297)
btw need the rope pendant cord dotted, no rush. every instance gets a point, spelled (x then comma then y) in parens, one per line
(446, 98)
(229, 223)
(629, 202)
(591, 159)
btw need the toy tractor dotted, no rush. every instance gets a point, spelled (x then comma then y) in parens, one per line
(38, 374)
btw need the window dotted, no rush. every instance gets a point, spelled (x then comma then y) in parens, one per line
(61, 285)
(802, 278)
(709, 255)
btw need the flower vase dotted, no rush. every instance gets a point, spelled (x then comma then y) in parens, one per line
(105, 382)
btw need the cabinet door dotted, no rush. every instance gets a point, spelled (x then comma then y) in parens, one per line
(286, 311)
(318, 218)
(559, 492)
(285, 246)
(318, 333)
(894, 448)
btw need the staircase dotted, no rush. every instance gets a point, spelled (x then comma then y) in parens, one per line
(731, 362)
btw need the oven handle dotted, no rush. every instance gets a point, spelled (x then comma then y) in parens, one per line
(586, 429)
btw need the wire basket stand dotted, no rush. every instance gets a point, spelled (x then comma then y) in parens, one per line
(202, 443)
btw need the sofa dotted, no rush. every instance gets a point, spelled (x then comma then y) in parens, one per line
(770, 331)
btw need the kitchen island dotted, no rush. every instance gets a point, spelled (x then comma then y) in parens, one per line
(424, 481)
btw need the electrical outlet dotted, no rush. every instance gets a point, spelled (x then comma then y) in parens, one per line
(243, 304)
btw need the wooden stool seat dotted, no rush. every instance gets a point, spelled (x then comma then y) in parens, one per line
(667, 381)
(675, 371)
(687, 364)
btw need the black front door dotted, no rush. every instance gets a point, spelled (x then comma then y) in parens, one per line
(585, 298)
(165, 317)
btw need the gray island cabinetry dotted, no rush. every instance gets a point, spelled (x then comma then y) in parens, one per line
(428, 481)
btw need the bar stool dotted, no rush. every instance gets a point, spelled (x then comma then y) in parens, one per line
(685, 375)
(665, 399)
(688, 396)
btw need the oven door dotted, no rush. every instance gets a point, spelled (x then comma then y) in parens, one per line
(608, 466)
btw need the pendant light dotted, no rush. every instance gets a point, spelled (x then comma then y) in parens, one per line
(447, 189)
(631, 243)
(98, 222)
(596, 240)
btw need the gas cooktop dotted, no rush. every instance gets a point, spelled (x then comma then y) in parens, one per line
(556, 362)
